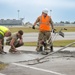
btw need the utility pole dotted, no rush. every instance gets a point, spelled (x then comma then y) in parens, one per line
(18, 13)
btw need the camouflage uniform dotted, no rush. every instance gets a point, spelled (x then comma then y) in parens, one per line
(44, 39)
(16, 43)
(2, 38)
(44, 36)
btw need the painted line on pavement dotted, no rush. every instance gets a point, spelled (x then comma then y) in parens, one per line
(2, 74)
(39, 69)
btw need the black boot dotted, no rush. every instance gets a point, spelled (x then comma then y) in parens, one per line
(3, 52)
(51, 48)
(41, 49)
(44, 53)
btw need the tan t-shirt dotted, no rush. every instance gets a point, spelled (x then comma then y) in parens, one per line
(14, 36)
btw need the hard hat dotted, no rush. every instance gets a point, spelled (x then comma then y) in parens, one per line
(45, 11)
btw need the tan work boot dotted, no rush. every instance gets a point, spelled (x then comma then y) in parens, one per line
(45, 48)
(2, 52)
(39, 49)
(12, 50)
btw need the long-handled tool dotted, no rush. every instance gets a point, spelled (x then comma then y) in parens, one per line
(39, 60)
(56, 51)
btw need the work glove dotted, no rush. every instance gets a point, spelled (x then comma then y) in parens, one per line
(61, 34)
(33, 27)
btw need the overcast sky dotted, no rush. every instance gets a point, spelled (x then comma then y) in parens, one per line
(62, 10)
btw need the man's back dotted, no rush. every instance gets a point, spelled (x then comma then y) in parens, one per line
(13, 36)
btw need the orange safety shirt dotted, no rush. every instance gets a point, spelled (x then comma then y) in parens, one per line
(45, 23)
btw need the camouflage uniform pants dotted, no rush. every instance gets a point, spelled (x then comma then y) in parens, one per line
(2, 42)
(44, 37)
(16, 44)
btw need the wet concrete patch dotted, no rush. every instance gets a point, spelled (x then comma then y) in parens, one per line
(23, 56)
(29, 53)
(66, 53)
(57, 62)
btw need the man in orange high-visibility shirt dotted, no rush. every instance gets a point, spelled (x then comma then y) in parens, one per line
(45, 28)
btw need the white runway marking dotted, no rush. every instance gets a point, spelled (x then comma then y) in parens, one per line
(2, 74)
(39, 69)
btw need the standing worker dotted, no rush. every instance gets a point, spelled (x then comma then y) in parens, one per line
(4, 32)
(45, 28)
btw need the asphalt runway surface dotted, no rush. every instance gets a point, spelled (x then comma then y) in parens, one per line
(60, 63)
(31, 37)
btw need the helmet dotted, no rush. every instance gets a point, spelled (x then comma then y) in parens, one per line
(45, 11)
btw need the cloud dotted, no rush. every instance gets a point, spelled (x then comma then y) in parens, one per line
(32, 8)
(39, 3)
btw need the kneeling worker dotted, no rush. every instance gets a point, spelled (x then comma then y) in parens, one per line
(15, 41)
(4, 32)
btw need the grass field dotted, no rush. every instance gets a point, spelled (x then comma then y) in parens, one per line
(69, 28)
(28, 30)
(2, 66)
(59, 43)
(25, 30)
